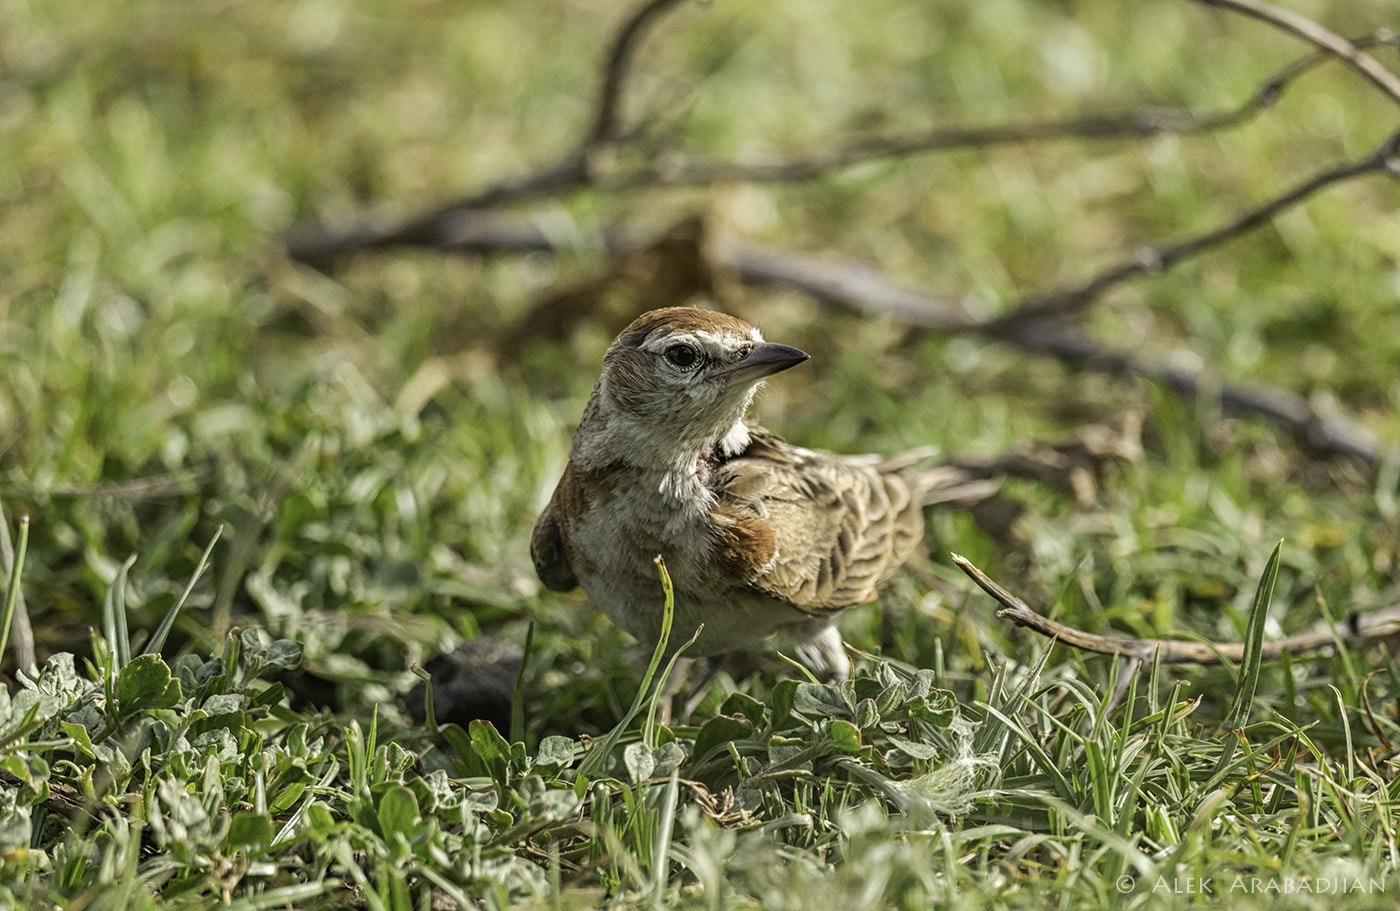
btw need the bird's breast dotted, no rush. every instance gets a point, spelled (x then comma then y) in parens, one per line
(617, 541)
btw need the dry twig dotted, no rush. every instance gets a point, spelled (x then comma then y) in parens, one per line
(1323, 39)
(574, 169)
(1154, 259)
(1359, 627)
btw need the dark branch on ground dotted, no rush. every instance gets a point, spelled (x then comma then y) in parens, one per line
(1359, 627)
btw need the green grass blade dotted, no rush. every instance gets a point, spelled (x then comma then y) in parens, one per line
(649, 727)
(1248, 679)
(163, 631)
(596, 755)
(114, 616)
(517, 694)
(12, 590)
(429, 708)
(661, 853)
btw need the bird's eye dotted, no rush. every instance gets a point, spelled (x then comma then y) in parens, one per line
(682, 356)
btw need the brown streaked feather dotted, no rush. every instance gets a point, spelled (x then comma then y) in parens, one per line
(839, 527)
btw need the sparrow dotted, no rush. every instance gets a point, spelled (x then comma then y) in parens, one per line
(758, 536)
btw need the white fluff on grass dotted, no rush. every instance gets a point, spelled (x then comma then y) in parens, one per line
(948, 790)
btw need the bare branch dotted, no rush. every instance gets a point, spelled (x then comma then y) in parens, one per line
(151, 487)
(861, 288)
(675, 170)
(575, 169)
(1360, 627)
(858, 286)
(1320, 435)
(1317, 36)
(431, 229)
(851, 284)
(1154, 259)
(608, 117)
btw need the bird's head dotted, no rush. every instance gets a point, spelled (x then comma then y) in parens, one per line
(677, 381)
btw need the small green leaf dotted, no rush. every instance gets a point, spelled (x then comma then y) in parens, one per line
(867, 715)
(287, 797)
(222, 703)
(925, 751)
(398, 812)
(248, 828)
(59, 676)
(284, 653)
(481, 801)
(271, 695)
(783, 698)
(743, 704)
(318, 815)
(937, 707)
(845, 735)
(817, 701)
(892, 698)
(467, 762)
(193, 672)
(555, 751)
(640, 762)
(253, 649)
(491, 748)
(146, 683)
(668, 758)
(718, 731)
(80, 737)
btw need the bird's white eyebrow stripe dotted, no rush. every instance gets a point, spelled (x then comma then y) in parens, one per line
(712, 342)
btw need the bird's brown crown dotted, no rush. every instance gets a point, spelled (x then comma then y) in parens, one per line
(683, 319)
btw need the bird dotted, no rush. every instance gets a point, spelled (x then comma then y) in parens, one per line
(759, 536)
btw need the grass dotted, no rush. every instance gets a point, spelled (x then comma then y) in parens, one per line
(326, 479)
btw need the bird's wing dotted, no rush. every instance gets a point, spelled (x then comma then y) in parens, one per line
(551, 557)
(819, 531)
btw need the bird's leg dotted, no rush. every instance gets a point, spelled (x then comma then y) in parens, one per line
(818, 645)
(683, 673)
(701, 685)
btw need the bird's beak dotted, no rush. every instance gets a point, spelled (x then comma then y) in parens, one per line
(763, 359)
